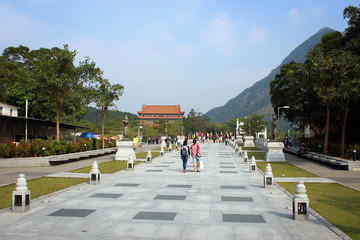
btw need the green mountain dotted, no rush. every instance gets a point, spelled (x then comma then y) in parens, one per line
(256, 99)
(93, 115)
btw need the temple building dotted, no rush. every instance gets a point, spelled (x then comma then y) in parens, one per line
(152, 113)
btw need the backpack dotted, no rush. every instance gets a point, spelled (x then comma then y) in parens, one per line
(184, 151)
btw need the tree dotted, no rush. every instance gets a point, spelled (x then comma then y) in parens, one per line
(50, 80)
(352, 36)
(195, 121)
(253, 123)
(104, 96)
(293, 88)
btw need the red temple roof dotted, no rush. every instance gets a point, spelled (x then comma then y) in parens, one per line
(161, 109)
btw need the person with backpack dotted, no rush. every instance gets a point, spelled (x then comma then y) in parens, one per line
(184, 153)
(195, 153)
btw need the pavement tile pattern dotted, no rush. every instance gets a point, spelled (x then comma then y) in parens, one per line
(149, 203)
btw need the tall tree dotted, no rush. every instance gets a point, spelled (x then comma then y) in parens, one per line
(51, 81)
(104, 96)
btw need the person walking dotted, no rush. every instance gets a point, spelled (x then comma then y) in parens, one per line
(195, 153)
(184, 154)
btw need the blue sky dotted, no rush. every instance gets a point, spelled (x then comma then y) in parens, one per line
(197, 53)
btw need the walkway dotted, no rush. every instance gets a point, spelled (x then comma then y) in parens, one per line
(9, 175)
(158, 201)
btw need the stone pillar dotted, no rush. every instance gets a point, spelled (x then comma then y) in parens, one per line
(163, 143)
(125, 148)
(240, 151)
(274, 152)
(148, 157)
(249, 141)
(252, 166)
(300, 202)
(268, 176)
(130, 164)
(170, 147)
(245, 157)
(162, 151)
(236, 147)
(21, 196)
(95, 174)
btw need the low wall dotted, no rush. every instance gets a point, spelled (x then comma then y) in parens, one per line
(48, 160)
(350, 165)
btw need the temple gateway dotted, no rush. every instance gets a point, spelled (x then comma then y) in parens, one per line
(151, 113)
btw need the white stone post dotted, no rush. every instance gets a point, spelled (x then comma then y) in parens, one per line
(130, 164)
(21, 195)
(236, 147)
(170, 146)
(240, 151)
(162, 151)
(274, 152)
(300, 202)
(148, 157)
(268, 176)
(252, 166)
(245, 157)
(249, 141)
(124, 149)
(95, 174)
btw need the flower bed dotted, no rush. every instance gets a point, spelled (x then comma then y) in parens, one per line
(52, 147)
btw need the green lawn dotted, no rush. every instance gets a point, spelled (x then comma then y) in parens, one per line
(257, 155)
(250, 148)
(284, 169)
(38, 187)
(338, 204)
(143, 155)
(106, 167)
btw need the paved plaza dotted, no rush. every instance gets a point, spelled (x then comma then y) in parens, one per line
(158, 201)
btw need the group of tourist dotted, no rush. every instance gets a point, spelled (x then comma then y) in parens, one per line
(193, 151)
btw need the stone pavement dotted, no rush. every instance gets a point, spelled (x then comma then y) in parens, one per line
(158, 201)
(9, 175)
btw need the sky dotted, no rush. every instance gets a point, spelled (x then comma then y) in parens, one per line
(196, 53)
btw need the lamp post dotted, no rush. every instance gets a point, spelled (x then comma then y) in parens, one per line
(139, 141)
(279, 120)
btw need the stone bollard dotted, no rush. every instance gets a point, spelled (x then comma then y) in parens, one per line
(240, 151)
(268, 176)
(252, 166)
(130, 164)
(148, 157)
(300, 202)
(170, 147)
(95, 174)
(245, 157)
(21, 195)
(236, 147)
(162, 151)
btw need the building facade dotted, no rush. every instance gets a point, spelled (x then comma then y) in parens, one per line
(8, 110)
(151, 113)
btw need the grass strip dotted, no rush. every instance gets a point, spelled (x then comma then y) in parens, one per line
(284, 169)
(257, 155)
(38, 187)
(105, 167)
(250, 148)
(143, 155)
(338, 204)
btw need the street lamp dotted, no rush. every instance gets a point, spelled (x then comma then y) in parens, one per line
(279, 121)
(139, 132)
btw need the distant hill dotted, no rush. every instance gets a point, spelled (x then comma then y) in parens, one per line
(256, 99)
(93, 115)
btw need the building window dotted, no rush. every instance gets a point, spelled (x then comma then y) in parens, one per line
(1, 110)
(11, 112)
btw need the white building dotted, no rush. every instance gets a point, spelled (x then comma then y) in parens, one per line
(8, 110)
